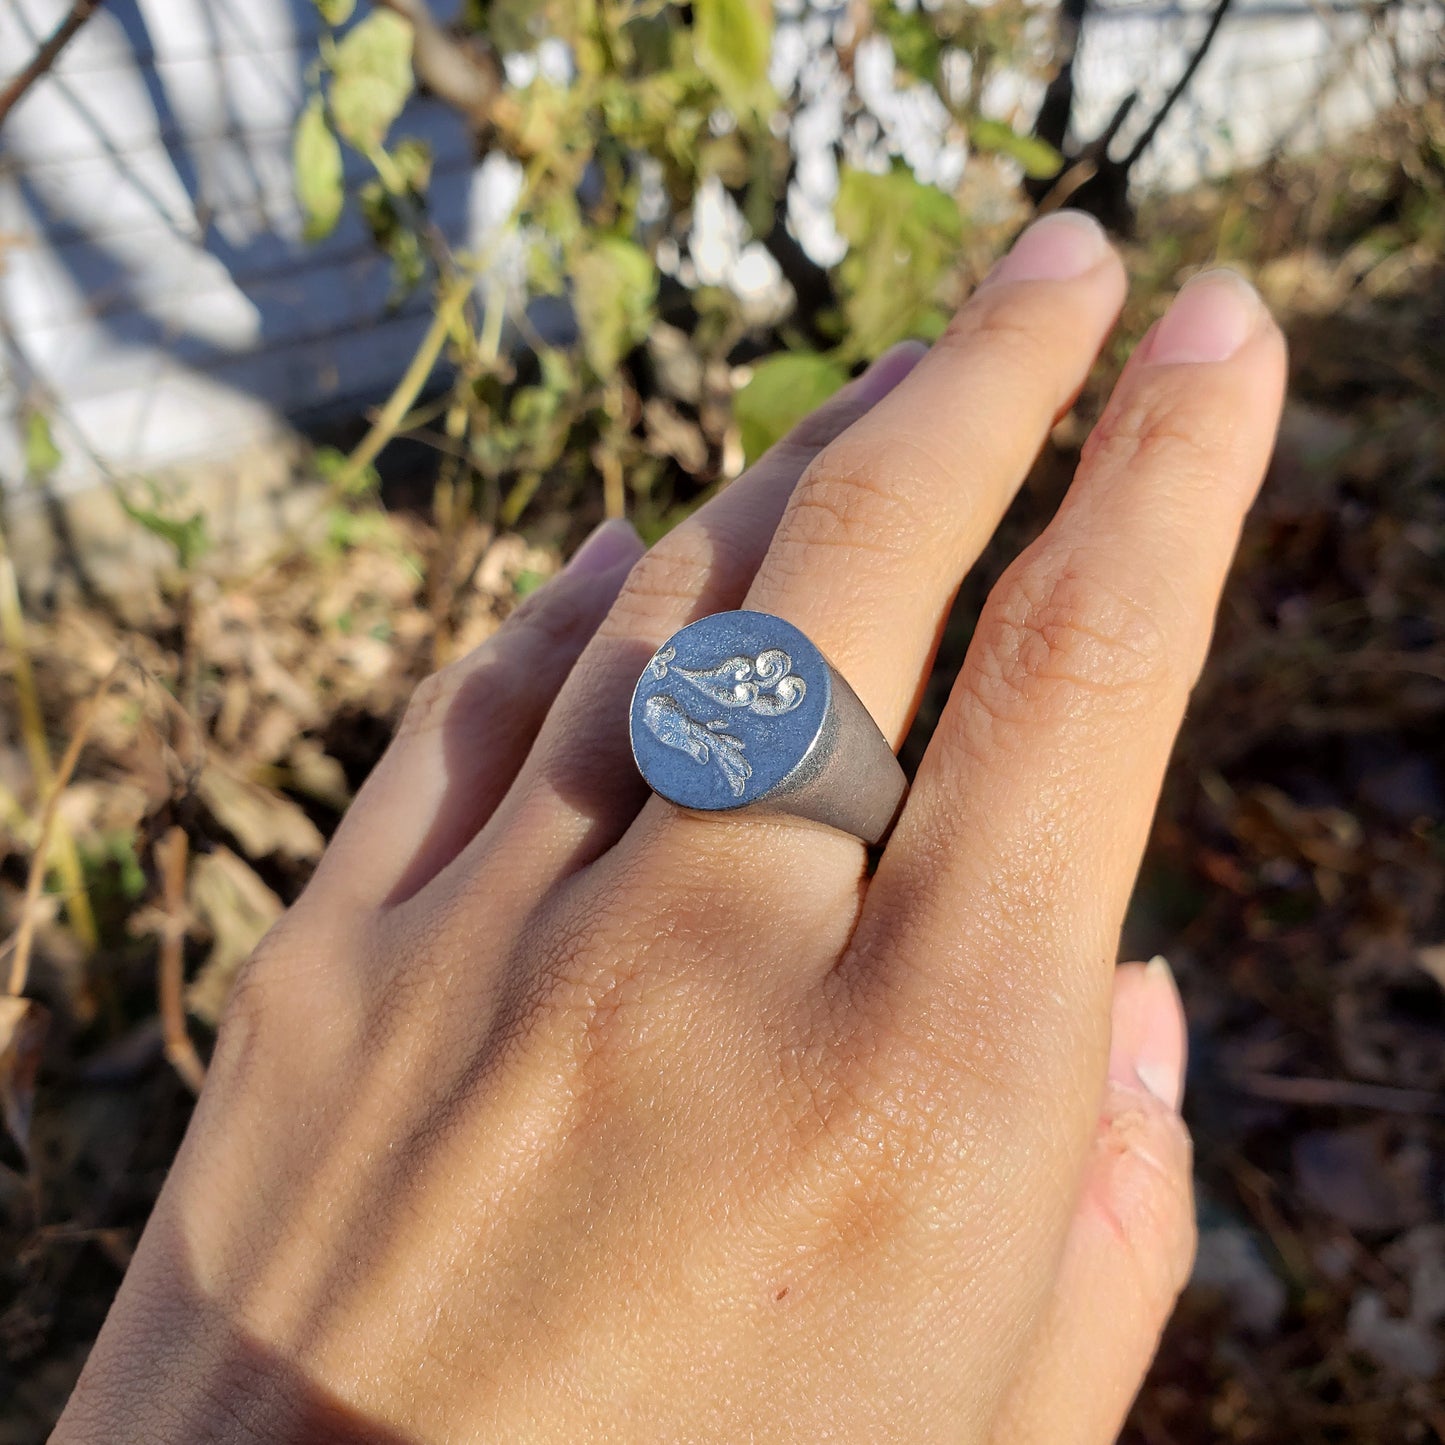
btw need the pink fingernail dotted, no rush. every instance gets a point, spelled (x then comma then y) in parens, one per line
(1211, 318)
(1060, 247)
(607, 546)
(885, 373)
(1148, 1044)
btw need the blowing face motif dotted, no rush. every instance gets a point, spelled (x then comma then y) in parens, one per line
(763, 685)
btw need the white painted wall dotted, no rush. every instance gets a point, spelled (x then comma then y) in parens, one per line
(157, 301)
(1297, 74)
(155, 294)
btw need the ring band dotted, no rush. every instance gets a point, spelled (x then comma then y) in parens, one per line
(739, 712)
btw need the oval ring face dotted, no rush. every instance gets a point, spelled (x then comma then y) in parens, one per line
(727, 709)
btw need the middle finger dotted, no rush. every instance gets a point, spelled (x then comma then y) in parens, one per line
(885, 522)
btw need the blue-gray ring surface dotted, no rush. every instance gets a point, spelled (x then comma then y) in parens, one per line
(740, 712)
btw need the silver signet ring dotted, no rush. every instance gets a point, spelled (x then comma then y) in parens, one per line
(740, 712)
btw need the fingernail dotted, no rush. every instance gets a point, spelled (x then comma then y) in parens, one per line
(607, 546)
(887, 372)
(1058, 248)
(1211, 318)
(1148, 1044)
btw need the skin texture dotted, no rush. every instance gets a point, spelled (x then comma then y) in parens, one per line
(553, 1113)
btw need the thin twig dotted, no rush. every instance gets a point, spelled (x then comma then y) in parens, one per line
(384, 428)
(32, 728)
(1221, 9)
(45, 57)
(1085, 166)
(25, 934)
(1057, 108)
(467, 77)
(171, 854)
(1339, 1093)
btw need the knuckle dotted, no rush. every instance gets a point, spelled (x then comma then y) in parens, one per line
(1059, 635)
(1017, 329)
(604, 990)
(867, 1147)
(551, 615)
(1147, 1197)
(270, 1018)
(428, 704)
(271, 1008)
(862, 494)
(815, 431)
(669, 576)
(1159, 428)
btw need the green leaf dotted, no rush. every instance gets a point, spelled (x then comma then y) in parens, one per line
(411, 159)
(316, 157)
(347, 529)
(732, 42)
(913, 34)
(902, 237)
(188, 537)
(371, 78)
(331, 463)
(42, 456)
(1040, 161)
(614, 285)
(513, 26)
(392, 235)
(544, 267)
(336, 12)
(783, 389)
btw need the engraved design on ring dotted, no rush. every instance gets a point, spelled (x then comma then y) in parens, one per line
(763, 684)
(741, 712)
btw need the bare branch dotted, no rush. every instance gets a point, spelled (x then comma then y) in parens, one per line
(29, 915)
(468, 78)
(1052, 124)
(44, 58)
(1221, 9)
(171, 853)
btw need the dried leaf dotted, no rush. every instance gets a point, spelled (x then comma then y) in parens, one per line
(237, 907)
(1363, 1177)
(263, 822)
(1432, 960)
(316, 774)
(23, 1025)
(1411, 1346)
(1229, 1264)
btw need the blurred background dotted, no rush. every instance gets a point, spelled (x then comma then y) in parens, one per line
(327, 330)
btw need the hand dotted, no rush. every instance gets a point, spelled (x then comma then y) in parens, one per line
(553, 1113)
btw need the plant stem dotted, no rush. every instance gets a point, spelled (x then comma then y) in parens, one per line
(389, 419)
(46, 56)
(49, 824)
(170, 854)
(57, 839)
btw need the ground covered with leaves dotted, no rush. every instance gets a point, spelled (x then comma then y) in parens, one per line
(1296, 876)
